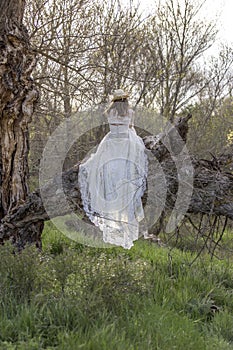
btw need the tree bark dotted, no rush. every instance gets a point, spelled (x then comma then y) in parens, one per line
(212, 194)
(18, 97)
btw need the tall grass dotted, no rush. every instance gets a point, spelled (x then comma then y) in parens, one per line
(74, 297)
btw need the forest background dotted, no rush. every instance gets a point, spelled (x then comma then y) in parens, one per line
(176, 293)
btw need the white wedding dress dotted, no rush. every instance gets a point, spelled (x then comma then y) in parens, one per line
(113, 180)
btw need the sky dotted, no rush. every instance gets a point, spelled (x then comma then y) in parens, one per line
(222, 10)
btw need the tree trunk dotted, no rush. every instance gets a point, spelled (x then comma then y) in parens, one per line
(18, 96)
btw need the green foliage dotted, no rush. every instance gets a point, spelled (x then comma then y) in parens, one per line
(76, 297)
(209, 131)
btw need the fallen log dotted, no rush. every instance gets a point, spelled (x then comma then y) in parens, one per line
(212, 189)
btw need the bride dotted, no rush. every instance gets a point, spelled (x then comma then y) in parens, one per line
(113, 180)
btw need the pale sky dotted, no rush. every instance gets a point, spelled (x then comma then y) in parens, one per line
(220, 9)
(223, 10)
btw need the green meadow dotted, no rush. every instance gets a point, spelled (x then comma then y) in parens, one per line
(71, 297)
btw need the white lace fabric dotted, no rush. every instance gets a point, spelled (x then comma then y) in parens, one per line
(112, 182)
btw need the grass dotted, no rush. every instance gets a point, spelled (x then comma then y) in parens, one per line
(71, 296)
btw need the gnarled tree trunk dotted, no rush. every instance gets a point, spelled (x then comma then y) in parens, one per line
(17, 99)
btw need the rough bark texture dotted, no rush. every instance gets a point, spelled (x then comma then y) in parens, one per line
(18, 96)
(213, 189)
